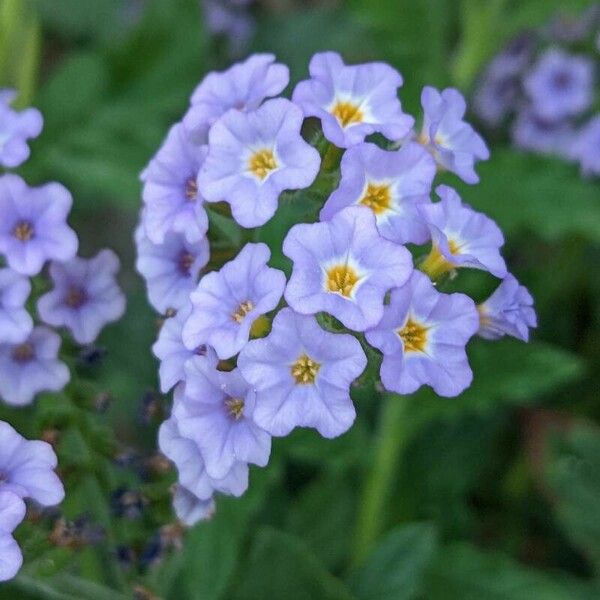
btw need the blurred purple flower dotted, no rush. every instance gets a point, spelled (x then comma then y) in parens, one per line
(586, 147)
(31, 367)
(15, 129)
(186, 456)
(422, 336)
(461, 237)
(171, 269)
(560, 85)
(508, 311)
(227, 302)
(33, 227)
(531, 132)
(453, 142)
(12, 512)
(15, 322)
(352, 101)
(344, 267)
(189, 508)
(27, 468)
(85, 297)
(391, 184)
(244, 86)
(173, 354)
(254, 156)
(216, 411)
(302, 376)
(171, 196)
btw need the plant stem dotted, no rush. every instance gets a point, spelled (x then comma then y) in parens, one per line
(395, 430)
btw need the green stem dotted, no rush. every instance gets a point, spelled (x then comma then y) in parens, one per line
(395, 431)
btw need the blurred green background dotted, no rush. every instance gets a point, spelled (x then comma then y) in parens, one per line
(495, 494)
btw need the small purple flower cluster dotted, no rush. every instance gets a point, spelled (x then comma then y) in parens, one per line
(253, 354)
(26, 472)
(544, 85)
(85, 296)
(33, 232)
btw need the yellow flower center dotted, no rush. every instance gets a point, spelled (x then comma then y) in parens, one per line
(378, 198)
(414, 336)
(235, 408)
(191, 189)
(342, 279)
(23, 231)
(242, 310)
(347, 113)
(436, 264)
(23, 353)
(305, 370)
(262, 162)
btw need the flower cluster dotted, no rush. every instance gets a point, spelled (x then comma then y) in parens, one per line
(33, 233)
(543, 86)
(26, 472)
(81, 296)
(253, 352)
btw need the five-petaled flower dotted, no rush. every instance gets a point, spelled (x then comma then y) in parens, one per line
(228, 302)
(460, 237)
(85, 297)
(452, 141)
(302, 376)
(344, 267)
(33, 227)
(353, 101)
(422, 336)
(253, 157)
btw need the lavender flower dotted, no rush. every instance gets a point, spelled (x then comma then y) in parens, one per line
(12, 512)
(171, 269)
(244, 87)
(33, 226)
(530, 132)
(173, 354)
(31, 367)
(422, 336)
(15, 322)
(186, 456)
(560, 85)
(85, 297)
(352, 101)
(461, 237)
(15, 129)
(254, 156)
(227, 302)
(190, 509)
(453, 142)
(508, 311)
(344, 267)
(497, 94)
(391, 184)
(171, 196)
(586, 148)
(216, 411)
(302, 376)
(27, 468)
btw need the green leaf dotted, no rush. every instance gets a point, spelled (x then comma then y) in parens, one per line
(573, 475)
(396, 568)
(463, 572)
(281, 566)
(508, 372)
(323, 516)
(545, 196)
